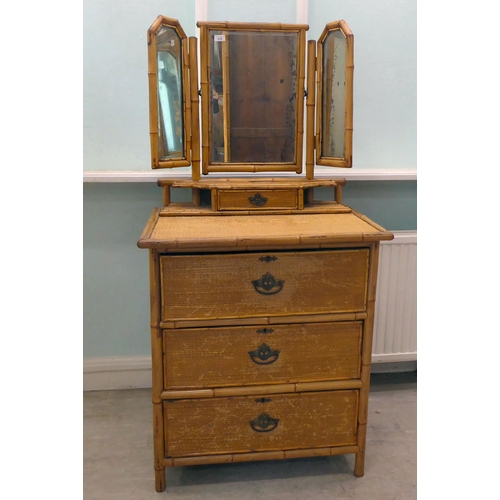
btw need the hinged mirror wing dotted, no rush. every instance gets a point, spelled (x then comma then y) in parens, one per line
(171, 96)
(334, 109)
(252, 83)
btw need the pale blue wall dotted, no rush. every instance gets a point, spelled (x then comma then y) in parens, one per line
(116, 137)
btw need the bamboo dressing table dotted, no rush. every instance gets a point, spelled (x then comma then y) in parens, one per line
(262, 298)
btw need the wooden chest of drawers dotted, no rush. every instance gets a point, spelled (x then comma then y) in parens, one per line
(261, 335)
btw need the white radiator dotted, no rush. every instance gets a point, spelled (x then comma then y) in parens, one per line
(395, 329)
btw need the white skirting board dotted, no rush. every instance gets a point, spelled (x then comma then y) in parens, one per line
(131, 372)
(395, 331)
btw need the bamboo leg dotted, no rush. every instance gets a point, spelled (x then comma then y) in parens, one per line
(366, 357)
(359, 464)
(160, 483)
(157, 371)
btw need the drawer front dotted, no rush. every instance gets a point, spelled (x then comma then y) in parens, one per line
(244, 424)
(246, 199)
(247, 285)
(212, 357)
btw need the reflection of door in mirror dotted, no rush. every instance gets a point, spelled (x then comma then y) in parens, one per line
(334, 94)
(253, 81)
(170, 113)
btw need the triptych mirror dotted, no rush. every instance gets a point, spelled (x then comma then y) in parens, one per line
(258, 109)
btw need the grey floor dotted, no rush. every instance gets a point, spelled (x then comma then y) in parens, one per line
(118, 452)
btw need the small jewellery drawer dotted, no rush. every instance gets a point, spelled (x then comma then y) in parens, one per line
(250, 355)
(244, 285)
(254, 423)
(246, 199)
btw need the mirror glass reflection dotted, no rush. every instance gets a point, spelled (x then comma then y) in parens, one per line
(334, 94)
(252, 82)
(170, 115)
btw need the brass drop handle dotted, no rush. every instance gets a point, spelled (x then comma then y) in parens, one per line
(264, 355)
(258, 200)
(268, 285)
(264, 423)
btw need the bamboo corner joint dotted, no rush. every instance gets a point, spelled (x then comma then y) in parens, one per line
(262, 297)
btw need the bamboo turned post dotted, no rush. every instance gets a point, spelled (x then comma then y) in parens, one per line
(226, 96)
(157, 370)
(205, 99)
(188, 127)
(196, 197)
(311, 87)
(349, 94)
(300, 100)
(166, 195)
(310, 196)
(366, 357)
(195, 109)
(338, 193)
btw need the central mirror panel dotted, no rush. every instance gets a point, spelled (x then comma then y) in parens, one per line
(253, 84)
(253, 98)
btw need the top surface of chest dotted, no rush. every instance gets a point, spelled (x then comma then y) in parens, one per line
(175, 233)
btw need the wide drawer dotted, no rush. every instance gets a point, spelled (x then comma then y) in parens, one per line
(215, 286)
(244, 424)
(246, 199)
(211, 357)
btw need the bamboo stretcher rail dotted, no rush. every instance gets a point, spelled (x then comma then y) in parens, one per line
(270, 320)
(176, 210)
(265, 320)
(218, 25)
(258, 248)
(253, 167)
(173, 163)
(249, 243)
(254, 390)
(238, 183)
(262, 455)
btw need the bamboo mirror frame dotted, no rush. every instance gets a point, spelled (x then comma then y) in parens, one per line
(334, 107)
(169, 113)
(273, 97)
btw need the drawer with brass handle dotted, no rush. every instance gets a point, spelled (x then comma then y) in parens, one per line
(252, 355)
(251, 199)
(251, 423)
(244, 285)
